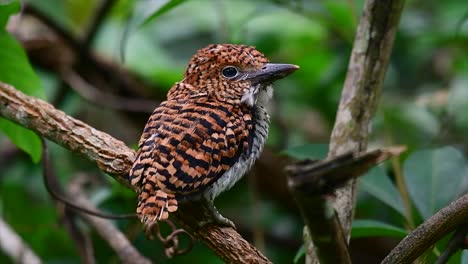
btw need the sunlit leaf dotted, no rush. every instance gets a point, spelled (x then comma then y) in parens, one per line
(143, 13)
(300, 253)
(377, 184)
(16, 70)
(151, 9)
(155, 8)
(372, 228)
(434, 177)
(8, 8)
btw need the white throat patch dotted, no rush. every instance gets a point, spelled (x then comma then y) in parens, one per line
(257, 95)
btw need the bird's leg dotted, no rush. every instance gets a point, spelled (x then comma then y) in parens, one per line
(215, 216)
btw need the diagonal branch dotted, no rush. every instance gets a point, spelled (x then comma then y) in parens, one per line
(113, 157)
(14, 246)
(432, 230)
(104, 227)
(313, 183)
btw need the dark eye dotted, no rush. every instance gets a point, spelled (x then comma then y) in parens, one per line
(230, 72)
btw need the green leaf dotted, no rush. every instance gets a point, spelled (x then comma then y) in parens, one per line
(377, 184)
(149, 10)
(143, 13)
(372, 228)
(308, 151)
(342, 16)
(23, 138)
(300, 253)
(16, 70)
(410, 124)
(434, 177)
(8, 8)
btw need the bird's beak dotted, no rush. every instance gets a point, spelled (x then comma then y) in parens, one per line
(271, 72)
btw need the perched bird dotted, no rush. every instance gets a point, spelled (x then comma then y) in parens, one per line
(208, 133)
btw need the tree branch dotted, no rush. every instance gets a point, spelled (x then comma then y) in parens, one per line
(13, 246)
(113, 157)
(105, 228)
(100, 15)
(366, 71)
(455, 244)
(313, 185)
(95, 69)
(362, 87)
(429, 232)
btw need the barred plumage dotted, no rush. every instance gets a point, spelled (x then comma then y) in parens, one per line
(208, 133)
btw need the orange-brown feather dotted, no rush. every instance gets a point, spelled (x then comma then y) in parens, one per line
(198, 134)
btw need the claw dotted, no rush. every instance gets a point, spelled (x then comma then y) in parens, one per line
(216, 218)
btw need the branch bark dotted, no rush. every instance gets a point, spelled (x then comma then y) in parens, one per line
(313, 185)
(113, 157)
(366, 71)
(429, 232)
(363, 84)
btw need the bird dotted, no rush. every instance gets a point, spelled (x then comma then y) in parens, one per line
(208, 133)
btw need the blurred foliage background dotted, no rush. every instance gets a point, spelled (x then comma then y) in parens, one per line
(424, 105)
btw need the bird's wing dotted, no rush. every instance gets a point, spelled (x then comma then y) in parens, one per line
(187, 145)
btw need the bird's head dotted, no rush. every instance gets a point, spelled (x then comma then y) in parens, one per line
(235, 73)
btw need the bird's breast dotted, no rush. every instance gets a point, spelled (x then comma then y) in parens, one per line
(246, 161)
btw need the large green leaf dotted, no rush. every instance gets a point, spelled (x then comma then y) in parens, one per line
(434, 177)
(372, 228)
(410, 124)
(16, 70)
(154, 8)
(377, 184)
(7, 8)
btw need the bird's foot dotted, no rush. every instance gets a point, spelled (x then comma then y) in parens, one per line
(216, 218)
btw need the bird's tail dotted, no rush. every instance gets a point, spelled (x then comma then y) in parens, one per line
(155, 207)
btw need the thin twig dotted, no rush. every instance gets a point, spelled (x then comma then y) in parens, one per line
(99, 16)
(14, 247)
(51, 182)
(115, 158)
(58, 29)
(428, 233)
(80, 238)
(91, 66)
(55, 190)
(455, 244)
(106, 229)
(98, 97)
